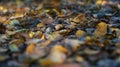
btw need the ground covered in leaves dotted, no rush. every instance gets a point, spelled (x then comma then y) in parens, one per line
(59, 33)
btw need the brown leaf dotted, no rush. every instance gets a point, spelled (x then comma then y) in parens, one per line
(80, 18)
(46, 19)
(30, 49)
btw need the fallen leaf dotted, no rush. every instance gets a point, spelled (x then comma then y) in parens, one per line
(79, 33)
(57, 56)
(30, 49)
(101, 29)
(31, 34)
(80, 18)
(58, 26)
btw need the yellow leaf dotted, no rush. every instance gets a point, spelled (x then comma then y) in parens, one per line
(79, 59)
(7, 22)
(1, 8)
(40, 25)
(79, 33)
(38, 34)
(31, 34)
(101, 29)
(99, 2)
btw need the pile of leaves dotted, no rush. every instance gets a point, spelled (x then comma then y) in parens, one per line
(60, 33)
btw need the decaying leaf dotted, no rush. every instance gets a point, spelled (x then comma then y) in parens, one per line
(101, 29)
